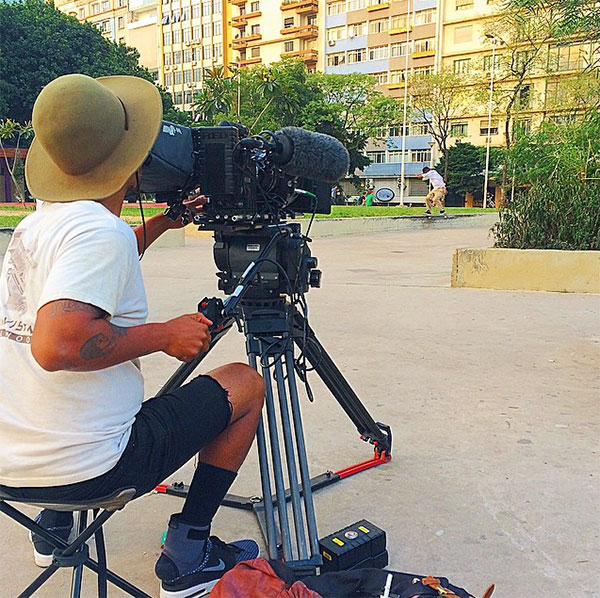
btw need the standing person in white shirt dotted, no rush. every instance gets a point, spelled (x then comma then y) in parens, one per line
(438, 192)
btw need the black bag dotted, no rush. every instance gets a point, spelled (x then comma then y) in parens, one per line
(370, 583)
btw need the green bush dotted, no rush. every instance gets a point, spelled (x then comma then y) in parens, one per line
(555, 200)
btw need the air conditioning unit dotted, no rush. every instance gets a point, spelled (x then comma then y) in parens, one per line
(194, 62)
(331, 42)
(167, 67)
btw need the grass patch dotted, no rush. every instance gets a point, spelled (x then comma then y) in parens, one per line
(11, 215)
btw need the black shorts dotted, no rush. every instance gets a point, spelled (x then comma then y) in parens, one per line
(168, 431)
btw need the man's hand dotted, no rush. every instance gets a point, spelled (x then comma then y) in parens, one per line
(187, 336)
(195, 202)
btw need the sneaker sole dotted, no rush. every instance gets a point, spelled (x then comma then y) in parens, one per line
(198, 591)
(45, 560)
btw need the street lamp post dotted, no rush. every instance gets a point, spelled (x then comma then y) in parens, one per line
(494, 39)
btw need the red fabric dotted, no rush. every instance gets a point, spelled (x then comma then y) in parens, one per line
(256, 579)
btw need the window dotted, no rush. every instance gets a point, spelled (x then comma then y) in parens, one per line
(311, 20)
(196, 32)
(95, 9)
(420, 156)
(288, 46)
(522, 126)
(400, 49)
(424, 70)
(177, 77)
(355, 56)
(288, 22)
(105, 5)
(186, 35)
(397, 76)
(463, 66)
(336, 59)
(420, 129)
(196, 54)
(398, 131)
(217, 28)
(255, 52)
(205, 8)
(165, 20)
(396, 156)
(206, 30)
(425, 45)
(217, 50)
(177, 97)
(82, 13)
(379, 26)
(168, 79)
(167, 38)
(207, 52)
(463, 34)
(187, 76)
(187, 56)
(196, 12)
(399, 22)
(556, 94)
(197, 74)
(483, 128)
(464, 4)
(377, 157)
(378, 52)
(459, 130)
(254, 6)
(177, 36)
(104, 26)
(187, 97)
(523, 61)
(176, 16)
(167, 59)
(216, 7)
(356, 5)
(336, 8)
(425, 17)
(255, 29)
(357, 29)
(381, 78)
(523, 100)
(569, 57)
(184, 14)
(335, 33)
(487, 62)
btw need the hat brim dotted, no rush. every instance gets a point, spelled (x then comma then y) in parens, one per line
(143, 104)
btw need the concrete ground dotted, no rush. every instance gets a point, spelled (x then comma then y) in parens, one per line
(492, 397)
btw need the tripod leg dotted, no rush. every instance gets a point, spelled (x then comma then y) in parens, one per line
(339, 387)
(286, 426)
(265, 479)
(309, 506)
(276, 462)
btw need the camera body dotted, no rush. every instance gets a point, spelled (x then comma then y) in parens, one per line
(239, 174)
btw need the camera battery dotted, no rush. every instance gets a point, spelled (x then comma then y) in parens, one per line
(357, 546)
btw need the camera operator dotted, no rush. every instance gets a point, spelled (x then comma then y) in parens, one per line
(73, 309)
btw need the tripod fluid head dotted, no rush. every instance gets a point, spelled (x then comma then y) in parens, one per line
(281, 252)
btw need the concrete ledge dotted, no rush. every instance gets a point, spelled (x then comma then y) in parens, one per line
(329, 227)
(527, 270)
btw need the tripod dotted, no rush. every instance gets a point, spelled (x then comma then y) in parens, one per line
(272, 323)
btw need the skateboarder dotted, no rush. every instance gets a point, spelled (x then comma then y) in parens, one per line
(438, 192)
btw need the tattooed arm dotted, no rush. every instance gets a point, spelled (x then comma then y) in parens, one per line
(75, 336)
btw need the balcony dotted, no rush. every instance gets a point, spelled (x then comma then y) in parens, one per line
(303, 32)
(241, 42)
(308, 56)
(302, 6)
(237, 2)
(399, 30)
(381, 6)
(239, 21)
(248, 61)
(423, 54)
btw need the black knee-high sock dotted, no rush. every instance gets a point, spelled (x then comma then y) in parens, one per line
(207, 489)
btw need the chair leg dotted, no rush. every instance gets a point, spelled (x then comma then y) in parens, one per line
(77, 576)
(101, 559)
(41, 579)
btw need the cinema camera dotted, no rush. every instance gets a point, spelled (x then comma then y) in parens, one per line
(255, 182)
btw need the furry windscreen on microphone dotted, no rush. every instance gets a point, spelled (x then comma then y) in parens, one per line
(315, 156)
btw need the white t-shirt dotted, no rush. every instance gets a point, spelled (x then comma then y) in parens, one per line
(434, 176)
(64, 427)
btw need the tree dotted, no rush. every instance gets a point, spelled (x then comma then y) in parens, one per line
(39, 43)
(13, 135)
(437, 100)
(284, 93)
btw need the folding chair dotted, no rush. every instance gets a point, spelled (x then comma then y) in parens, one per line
(76, 553)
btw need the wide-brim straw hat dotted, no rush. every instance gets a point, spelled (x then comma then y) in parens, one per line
(91, 135)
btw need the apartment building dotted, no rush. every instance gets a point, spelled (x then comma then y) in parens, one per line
(266, 31)
(471, 45)
(110, 16)
(391, 40)
(194, 36)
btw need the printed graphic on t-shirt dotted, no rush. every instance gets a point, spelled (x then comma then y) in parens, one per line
(19, 260)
